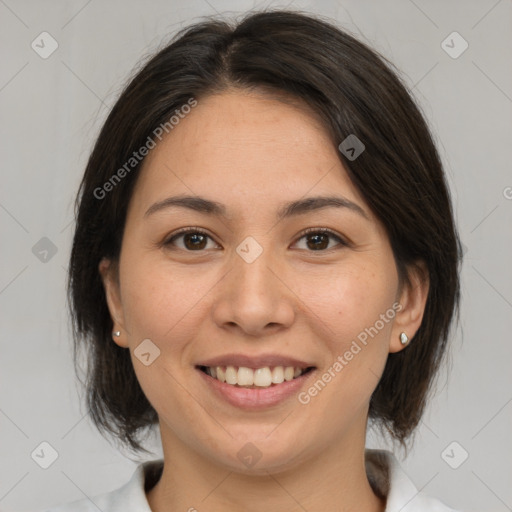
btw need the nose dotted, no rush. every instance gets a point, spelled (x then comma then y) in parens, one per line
(254, 297)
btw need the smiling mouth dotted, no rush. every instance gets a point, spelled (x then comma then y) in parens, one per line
(243, 377)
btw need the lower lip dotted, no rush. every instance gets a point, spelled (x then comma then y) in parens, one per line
(254, 398)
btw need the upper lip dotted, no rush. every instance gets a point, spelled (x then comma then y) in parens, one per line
(259, 361)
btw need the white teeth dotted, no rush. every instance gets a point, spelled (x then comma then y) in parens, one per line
(221, 374)
(278, 375)
(245, 376)
(231, 375)
(261, 377)
(288, 373)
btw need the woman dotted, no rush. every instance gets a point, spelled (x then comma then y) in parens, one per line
(265, 260)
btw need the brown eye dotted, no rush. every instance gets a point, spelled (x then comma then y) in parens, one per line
(319, 239)
(196, 240)
(193, 240)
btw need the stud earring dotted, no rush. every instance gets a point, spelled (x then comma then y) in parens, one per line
(403, 338)
(116, 334)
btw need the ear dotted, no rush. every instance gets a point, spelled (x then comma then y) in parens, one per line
(412, 299)
(110, 277)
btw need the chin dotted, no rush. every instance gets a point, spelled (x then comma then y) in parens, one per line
(260, 454)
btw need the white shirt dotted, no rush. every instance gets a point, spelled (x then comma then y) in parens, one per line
(384, 473)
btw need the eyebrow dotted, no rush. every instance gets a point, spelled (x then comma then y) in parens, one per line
(293, 208)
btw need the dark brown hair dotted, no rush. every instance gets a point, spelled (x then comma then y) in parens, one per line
(352, 90)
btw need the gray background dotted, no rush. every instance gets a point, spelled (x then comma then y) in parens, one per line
(51, 110)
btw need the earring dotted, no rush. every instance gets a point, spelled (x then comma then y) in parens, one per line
(403, 338)
(116, 334)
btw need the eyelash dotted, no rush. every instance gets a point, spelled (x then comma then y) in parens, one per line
(308, 231)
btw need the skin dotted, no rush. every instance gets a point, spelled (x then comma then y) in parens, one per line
(251, 153)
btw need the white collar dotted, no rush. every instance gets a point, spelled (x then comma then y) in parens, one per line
(389, 479)
(384, 473)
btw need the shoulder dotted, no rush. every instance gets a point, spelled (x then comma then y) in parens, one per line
(384, 472)
(130, 497)
(390, 480)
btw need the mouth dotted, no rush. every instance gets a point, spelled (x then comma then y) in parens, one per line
(255, 378)
(255, 382)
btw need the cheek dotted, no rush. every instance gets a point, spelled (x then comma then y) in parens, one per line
(354, 312)
(349, 299)
(156, 296)
(159, 304)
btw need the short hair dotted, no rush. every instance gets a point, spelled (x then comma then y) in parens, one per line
(352, 90)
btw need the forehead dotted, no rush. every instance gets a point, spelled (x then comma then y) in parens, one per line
(245, 148)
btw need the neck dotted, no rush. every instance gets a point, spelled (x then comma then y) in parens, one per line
(332, 480)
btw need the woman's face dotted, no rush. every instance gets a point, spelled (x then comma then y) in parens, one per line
(252, 284)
